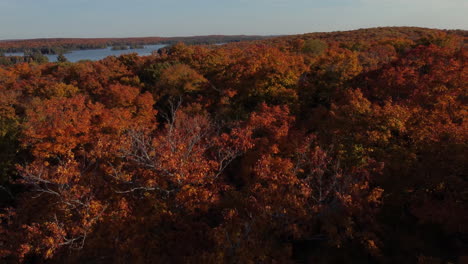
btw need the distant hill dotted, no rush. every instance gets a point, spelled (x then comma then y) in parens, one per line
(377, 34)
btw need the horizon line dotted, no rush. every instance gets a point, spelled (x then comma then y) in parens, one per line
(230, 35)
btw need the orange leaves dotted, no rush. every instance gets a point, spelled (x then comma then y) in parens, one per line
(328, 77)
(183, 146)
(8, 99)
(375, 196)
(422, 75)
(179, 79)
(56, 126)
(59, 125)
(309, 186)
(69, 136)
(239, 164)
(270, 125)
(238, 140)
(122, 96)
(183, 160)
(61, 90)
(266, 74)
(339, 65)
(42, 240)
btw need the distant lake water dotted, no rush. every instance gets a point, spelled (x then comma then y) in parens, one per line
(98, 54)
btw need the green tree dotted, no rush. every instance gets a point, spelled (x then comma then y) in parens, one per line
(314, 47)
(62, 58)
(37, 57)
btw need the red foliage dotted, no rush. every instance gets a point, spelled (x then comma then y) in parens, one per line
(351, 150)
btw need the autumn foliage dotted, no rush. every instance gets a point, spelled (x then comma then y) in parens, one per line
(346, 147)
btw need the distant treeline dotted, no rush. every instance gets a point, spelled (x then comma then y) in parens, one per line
(28, 57)
(62, 45)
(401, 38)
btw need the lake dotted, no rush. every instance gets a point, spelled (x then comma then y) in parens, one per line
(98, 54)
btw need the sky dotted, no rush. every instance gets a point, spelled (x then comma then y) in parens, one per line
(20, 19)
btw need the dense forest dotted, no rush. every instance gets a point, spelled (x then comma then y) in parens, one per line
(343, 147)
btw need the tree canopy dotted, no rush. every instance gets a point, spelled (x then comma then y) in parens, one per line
(327, 147)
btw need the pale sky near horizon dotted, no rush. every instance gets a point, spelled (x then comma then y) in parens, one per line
(137, 18)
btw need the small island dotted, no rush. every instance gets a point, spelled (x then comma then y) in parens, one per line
(119, 47)
(137, 46)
